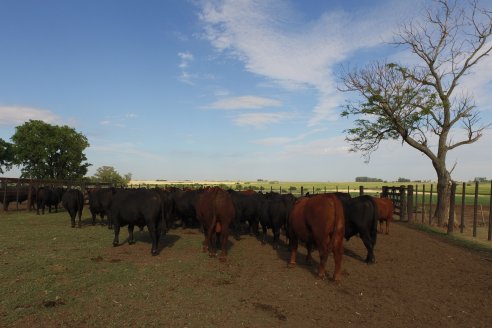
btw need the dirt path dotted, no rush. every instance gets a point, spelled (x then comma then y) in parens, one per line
(417, 281)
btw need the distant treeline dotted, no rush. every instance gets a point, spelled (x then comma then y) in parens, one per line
(367, 179)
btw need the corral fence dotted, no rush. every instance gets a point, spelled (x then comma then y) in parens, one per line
(18, 190)
(411, 204)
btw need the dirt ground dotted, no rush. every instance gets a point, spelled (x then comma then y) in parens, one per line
(418, 280)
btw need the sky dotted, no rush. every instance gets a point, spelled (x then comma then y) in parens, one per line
(214, 90)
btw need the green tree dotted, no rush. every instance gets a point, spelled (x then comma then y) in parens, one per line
(46, 151)
(6, 155)
(107, 174)
(420, 104)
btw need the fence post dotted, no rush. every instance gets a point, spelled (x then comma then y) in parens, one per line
(475, 210)
(410, 203)
(384, 192)
(430, 205)
(361, 190)
(452, 201)
(423, 203)
(403, 204)
(302, 191)
(416, 199)
(490, 213)
(463, 194)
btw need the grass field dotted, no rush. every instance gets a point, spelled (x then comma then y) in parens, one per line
(56, 276)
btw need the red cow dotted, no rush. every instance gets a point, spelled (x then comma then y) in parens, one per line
(318, 220)
(215, 211)
(385, 210)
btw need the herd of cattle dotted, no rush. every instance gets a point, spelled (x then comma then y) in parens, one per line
(322, 220)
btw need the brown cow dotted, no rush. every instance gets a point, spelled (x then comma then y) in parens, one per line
(385, 210)
(319, 221)
(215, 211)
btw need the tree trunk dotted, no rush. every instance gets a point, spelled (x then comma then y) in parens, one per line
(443, 192)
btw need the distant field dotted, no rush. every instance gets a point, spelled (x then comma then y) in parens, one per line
(371, 188)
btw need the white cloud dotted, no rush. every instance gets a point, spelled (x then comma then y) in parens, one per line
(276, 141)
(271, 41)
(245, 102)
(186, 58)
(260, 120)
(16, 115)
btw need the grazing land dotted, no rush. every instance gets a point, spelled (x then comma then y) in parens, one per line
(55, 276)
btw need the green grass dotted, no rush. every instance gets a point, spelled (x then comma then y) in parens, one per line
(458, 239)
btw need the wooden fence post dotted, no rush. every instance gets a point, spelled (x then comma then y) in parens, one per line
(475, 210)
(384, 192)
(490, 214)
(430, 206)
(463, 195)
(410, 203)
(423, 203)
(403, 204)
(361, 190)
(302, 191)
(452, 201)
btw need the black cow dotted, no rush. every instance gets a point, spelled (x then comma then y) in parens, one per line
(184, 206)
(139, 208)
(275, 215)
(46, 196)
(100, 202)
(14, 194)
(249, 207)
(361, 218)
(73, 202)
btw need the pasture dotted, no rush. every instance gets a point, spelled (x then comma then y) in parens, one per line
(53, 275)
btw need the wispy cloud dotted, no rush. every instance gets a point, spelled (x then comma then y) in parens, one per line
(118, 121)
(261, 120)
(185, 59)
(244, 102)
(278, 141)
(16, 115)
(274, 42)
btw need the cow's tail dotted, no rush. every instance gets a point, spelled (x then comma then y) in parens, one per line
(374, 226)
(339, 223)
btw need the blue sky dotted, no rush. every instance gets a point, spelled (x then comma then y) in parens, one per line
(216, 90)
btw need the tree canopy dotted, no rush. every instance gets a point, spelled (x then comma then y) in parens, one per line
(107, 174)
(6, 155)
(419, 104)
(46, 151)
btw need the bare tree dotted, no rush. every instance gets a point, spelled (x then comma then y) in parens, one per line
(420, 104)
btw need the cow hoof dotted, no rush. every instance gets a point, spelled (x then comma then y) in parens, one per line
(321, 276)
(73, 225)
(154, 252)
(115, 244)
(291, 265)
(223, 259)
(131, 242)
(275, 247)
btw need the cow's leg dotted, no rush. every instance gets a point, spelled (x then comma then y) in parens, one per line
(116, 234)
(131, 239)
(338, 255)
(368, 242)
(211, 235)
(265, 232)
(293, 244)
(155, 239)
(110, 221)
(387, 226)
(93, 214)
(223, 241)
(309, 248)
(380, 226)
(72, 217)
(205, 241)
(276, 233)
(80, 217)
(37, 208)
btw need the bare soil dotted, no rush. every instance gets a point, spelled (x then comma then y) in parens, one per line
(418, 280)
